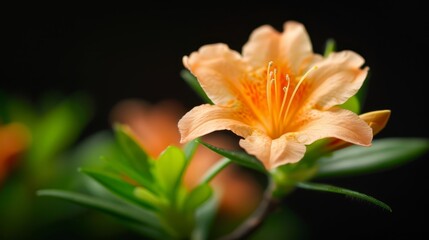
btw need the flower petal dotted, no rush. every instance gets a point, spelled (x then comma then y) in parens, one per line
(336, 79)
(295, 47)
(207, 118)
(273, 153)
(218, 70)
(286, 149)
(262, 47)
(336, 123)
(377, 120)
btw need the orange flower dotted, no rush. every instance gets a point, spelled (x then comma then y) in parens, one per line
(278, 95)
(155, 127)
(14, 138)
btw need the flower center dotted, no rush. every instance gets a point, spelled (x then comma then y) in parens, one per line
(280, 94)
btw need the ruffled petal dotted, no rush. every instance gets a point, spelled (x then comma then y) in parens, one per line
(273, 153)
(262, 47)
(335, 80)
(336, 123)
(207, 118)
(286, 149)
(376, 120)
(295, 50)
(218, 70)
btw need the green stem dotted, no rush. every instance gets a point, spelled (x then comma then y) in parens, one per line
(219, 166)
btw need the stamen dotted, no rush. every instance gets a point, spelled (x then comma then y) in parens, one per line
(269, 72)
(268, 86)
(285, 90)
(296, 89)
(276, 92)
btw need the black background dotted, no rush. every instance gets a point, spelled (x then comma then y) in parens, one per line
(138, 54)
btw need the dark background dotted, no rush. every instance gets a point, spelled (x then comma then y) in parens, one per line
(138, 54)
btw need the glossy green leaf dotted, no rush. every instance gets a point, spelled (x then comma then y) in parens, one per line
(118, 186)
(215, 169)
(329, 47)
(143, 221)
(197, 196)
(137, 157)
(192, 81)
(344, 191)
(169, 169)
(240, 158)
(383, 154)
(352, 104)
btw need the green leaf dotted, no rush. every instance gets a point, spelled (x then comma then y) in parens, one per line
(383, 154)
(344, 191)
(361, 94)
(198, 196)
(205, 216)
(169, 169)
(329, 47)
(121, 166)
(214, 170)
(192, 81)
(118, 186)
(118, 210)
(240, 158)
(190, 149)
(137, 157)
(57, 129)
(148, 197)
(143, 221)
(352, 104)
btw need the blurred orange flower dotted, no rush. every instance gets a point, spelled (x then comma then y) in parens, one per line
(14, 138)
(155, 127)
(278, 94)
